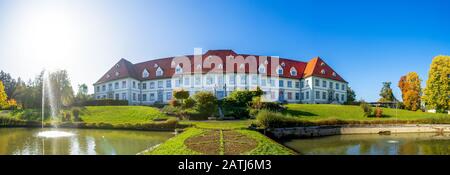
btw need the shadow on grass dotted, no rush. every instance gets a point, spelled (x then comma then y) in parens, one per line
(299, 113)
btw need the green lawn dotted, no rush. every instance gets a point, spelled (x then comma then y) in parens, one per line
(316, 112)
(120, 114)
(232, 124)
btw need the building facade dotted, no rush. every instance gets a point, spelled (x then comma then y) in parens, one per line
(281, 79)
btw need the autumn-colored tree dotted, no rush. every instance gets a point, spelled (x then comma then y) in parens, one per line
(411, 91)
(3, 96)
(437, 92)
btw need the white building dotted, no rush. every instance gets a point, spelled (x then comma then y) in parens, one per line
(221, 72)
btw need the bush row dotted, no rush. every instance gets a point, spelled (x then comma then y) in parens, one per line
(167, 125)
(106, 102)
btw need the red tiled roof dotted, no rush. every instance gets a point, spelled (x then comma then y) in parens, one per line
(127, 69)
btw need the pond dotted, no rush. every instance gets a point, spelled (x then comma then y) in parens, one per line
(374, 144)
(25, 141)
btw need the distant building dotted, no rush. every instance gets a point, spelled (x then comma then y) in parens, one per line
(281, 79)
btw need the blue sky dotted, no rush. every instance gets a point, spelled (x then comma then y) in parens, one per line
(367, 42)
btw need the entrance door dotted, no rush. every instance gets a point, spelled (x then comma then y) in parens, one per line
(281, 96)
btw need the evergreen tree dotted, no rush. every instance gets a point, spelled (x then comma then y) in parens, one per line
(386, 93)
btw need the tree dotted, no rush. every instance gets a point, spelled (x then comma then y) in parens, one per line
(206, 103)
(61, 88)
(181, 95)
(411, 91)
(82, 94)
(351, 96)
(8, 82)
(386, 93)
(3, 96)
(437, 91)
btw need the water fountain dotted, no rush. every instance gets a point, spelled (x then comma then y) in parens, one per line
(48, 93)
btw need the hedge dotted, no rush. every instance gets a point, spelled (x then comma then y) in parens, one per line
(106, 102)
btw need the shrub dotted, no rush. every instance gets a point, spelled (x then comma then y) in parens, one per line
(76, 114)
(378, 112)
(174, 103)
(269, 119)
(189, 103)
(181, 94)
(206, 103)
(367, 109)
(171, 110)
(106, 102)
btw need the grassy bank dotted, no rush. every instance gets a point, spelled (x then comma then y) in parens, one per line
(116, 115)
(322, 112)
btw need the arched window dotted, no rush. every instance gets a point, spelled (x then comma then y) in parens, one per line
(178, 69)
(145, 73)
(159, 72)
(293, 71)
(262, 69)
(323, 71)
(334, 74)
(107, 76)
(117, 74)
(280, 70)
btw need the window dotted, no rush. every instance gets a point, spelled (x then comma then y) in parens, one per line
(110, 87)
(337, 96)
(134, 96)
(302, 96)
(220, 80)
(178, 69)
(124, 96)
(116, 85)
(337, 86)
(324, 95)
(297, 84)
(262, 69)
(243, 79)
(144, 97)
(281, 83)
(144, 85)
(98, 88)
(139, 85)
(152, 85)
(324, 83)
(232, 79)
(289, 95)
(302, 84)
(117, 74)
(317, 83)
(317, 95)
(168, 84)
(280, 70)
(323, 71)
(307, 83)
(209, 80)
(331, 85)
(293, 71)
(254, 80)
(343, 87)
(160, 84)
(187, 81)
(307, 95)
(159, 72)
(297, 96)
(289, 84)
(104, 88)
(139, 97)
(116, 96)
(198, 80)
(134, 84)
(168, 95)
(152, 97)
(145, 73)
(263, 82)
(177, 82)
(124, 84)
(272, 82)
(342, 97)
(220, 66)
(334, 74)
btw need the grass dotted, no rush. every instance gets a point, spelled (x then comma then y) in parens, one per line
(317, 112)
(226, 125)
(175, 145)
(266, 146)
(120, 114)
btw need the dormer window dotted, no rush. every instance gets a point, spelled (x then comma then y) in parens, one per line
(280, 70)
(282, 64)
(323, 71)
(322, 64)
(117, 65)
(173, 63)
(334, 74)
(155, 66)
(178, 69)
(159, 72)
(117, 74)
(145, 73)
(262, 69)
(107, 76)
(293, 71)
